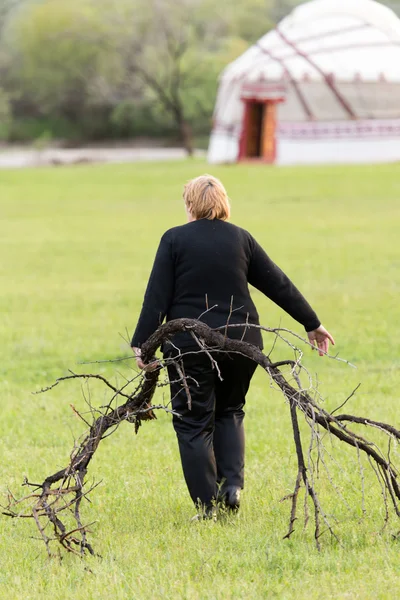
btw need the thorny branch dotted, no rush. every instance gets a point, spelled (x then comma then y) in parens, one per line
(62, 493)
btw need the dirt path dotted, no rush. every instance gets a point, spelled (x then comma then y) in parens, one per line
(27, 157)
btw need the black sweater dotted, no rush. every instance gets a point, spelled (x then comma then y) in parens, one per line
(208, 264)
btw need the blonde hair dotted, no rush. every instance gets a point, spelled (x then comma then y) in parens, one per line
(206, 198)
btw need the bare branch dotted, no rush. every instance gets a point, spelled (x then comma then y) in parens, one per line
(60, 495)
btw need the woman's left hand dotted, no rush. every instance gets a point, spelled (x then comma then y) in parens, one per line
(320, 338)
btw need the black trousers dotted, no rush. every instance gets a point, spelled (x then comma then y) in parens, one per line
(211, 434)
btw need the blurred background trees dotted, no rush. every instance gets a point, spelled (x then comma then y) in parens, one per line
(84, 70)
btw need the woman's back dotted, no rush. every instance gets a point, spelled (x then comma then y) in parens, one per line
(202, 270)
(211, 260)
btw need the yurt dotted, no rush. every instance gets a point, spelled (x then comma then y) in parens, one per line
(323, 87)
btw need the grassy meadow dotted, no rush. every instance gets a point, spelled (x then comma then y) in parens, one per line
(77, 244)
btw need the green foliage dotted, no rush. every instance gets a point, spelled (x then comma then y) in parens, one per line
(76, 248)
(43, 140)
(78, 61)
(61, 48)
(5, 113)
(253, 19)
(27, 129)
(81, 62)
(149, 119)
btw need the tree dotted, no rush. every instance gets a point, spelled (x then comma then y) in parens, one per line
(178, 50)
(7, 8)
(60, 49)
(160, 58)
(172, 48)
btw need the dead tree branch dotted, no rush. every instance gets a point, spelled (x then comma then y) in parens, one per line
(62, 492)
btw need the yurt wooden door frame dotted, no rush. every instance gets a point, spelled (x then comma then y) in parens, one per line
(258, 139)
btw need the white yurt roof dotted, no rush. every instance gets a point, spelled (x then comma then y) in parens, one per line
(341, 38)
(329, 59)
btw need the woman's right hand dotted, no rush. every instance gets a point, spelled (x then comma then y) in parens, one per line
(320, 338)
(149, 367)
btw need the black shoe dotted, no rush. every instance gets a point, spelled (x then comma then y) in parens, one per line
(230, 496)
(207, 514)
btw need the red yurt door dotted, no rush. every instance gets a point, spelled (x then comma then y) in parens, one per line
(258, 135)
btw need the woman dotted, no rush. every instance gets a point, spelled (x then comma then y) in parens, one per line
(202, 270)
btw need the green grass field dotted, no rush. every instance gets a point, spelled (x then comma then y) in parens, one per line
(76, 248)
